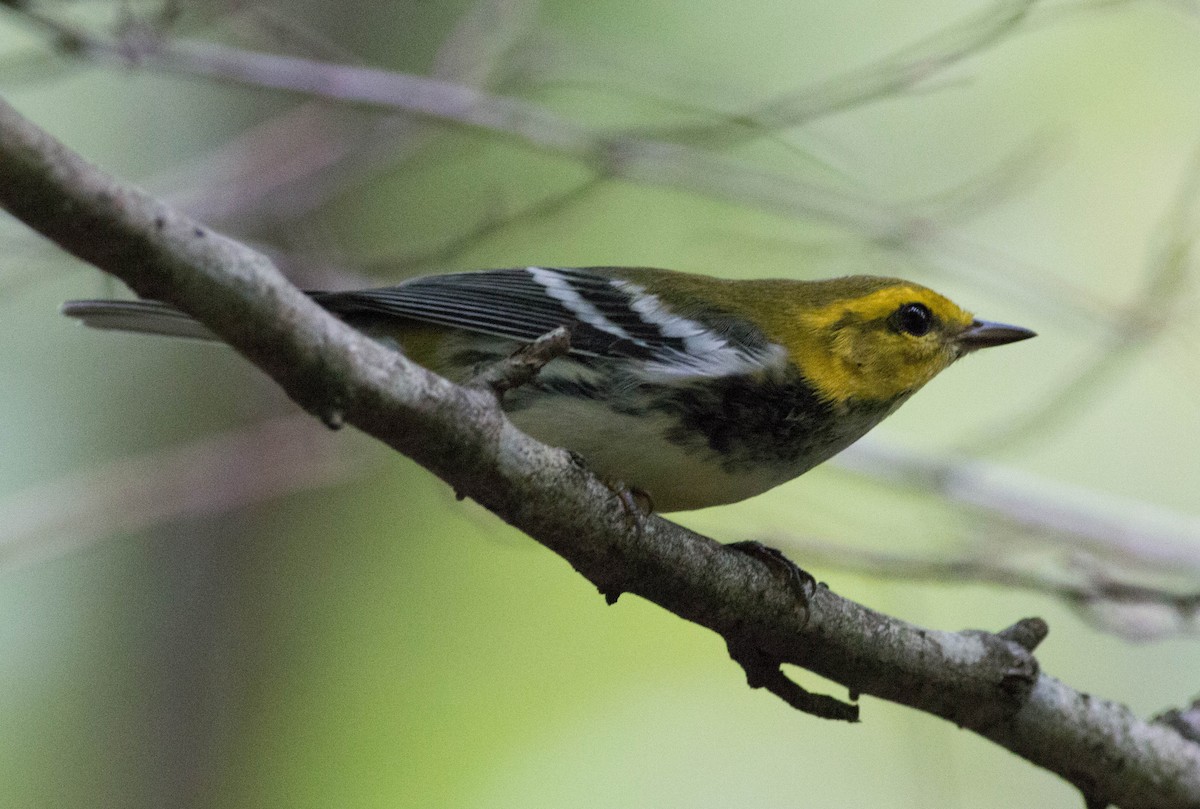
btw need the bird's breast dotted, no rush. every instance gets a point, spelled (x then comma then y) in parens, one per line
(697, 444)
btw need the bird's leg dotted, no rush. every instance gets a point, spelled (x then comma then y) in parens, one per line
(800, 580)
(637, 505)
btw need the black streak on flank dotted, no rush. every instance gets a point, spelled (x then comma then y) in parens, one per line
(748, 422)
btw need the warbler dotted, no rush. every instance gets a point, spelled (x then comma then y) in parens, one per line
(695, 391)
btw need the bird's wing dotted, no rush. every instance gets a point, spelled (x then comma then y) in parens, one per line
(608, 317)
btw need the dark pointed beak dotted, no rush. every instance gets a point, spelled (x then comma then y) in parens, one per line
(984, 334)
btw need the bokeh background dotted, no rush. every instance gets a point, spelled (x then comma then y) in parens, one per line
(208, 600)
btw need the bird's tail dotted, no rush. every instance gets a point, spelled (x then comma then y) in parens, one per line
(145, 317)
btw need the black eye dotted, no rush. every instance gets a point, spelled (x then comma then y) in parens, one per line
(913, 318)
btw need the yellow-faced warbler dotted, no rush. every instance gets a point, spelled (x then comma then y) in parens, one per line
(696, 391)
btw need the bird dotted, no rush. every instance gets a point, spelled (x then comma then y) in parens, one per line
(690, 390)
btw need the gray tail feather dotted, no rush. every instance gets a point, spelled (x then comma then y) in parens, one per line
(145, 317)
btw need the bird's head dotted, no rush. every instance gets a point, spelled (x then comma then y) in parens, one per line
(873, 339)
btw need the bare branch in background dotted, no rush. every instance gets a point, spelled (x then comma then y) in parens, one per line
(1136, 612)
(619, 154)
(445, 254)
(1122, 530)
(1134, 330)
(1127, 566)
(289, 165)
(890, 77)
(215, 475)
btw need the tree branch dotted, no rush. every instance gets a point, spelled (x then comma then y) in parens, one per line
(985, 682)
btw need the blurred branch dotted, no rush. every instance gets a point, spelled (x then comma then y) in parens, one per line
(212, 476)
(250, 176)
(286, 166)
(1134, 330)
(898, 73)
(609, 154)
(1130, 530)
(1054, 14)
(447, 252)
(907, 69)
(1103, 543)
(1137, 612)
(988, 683)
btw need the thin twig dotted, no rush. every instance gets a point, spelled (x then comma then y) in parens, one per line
(525, 363)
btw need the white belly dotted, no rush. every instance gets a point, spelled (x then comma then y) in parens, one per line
(632, 451)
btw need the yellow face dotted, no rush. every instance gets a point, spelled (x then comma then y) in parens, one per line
(877, 346)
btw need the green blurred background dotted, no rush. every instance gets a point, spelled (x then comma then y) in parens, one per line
(207, 600)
